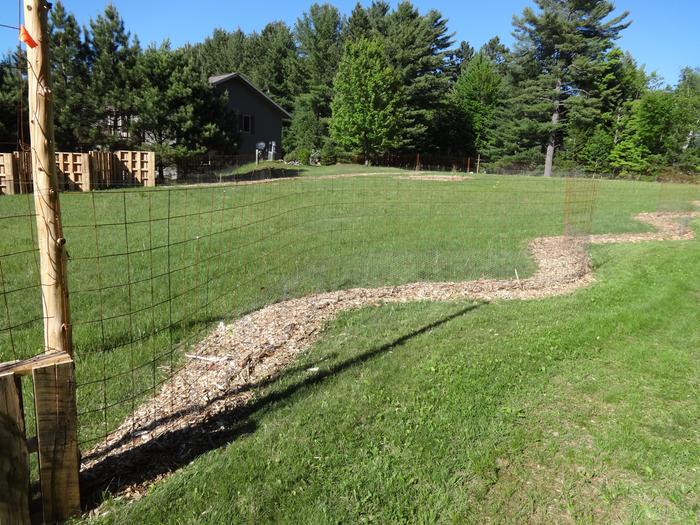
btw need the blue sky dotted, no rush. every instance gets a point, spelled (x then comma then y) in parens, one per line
(664, 34)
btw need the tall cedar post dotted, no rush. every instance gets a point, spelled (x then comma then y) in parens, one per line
(54, 390)
(57, 328)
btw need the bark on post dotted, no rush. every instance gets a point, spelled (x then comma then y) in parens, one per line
(51, 243)
(552, 142)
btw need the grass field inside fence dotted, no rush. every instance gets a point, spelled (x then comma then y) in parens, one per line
(152, 270)
(578, 409)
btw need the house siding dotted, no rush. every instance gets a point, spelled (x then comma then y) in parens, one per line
(267, 124)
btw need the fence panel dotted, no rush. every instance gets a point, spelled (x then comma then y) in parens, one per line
(137, 167)
(81, 171)
(102, 170)
(74, 171)
(7, 174)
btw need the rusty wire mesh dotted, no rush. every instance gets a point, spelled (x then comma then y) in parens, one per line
(152, 271)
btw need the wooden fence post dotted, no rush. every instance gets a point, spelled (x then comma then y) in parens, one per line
(56, 425)
(51, 243)
(54, 386)
(14, 460)
(151, 181)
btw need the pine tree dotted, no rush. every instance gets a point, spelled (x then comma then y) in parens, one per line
(273, 69)
(223, 52)
(368, 106)
(417, 47)
(359, 25)
(318, 34)
(179, 113)
(70, 79)
(13, 85)
(497, 53)
(113, 57)
(305, 131)
(458, 59)
(559, 50)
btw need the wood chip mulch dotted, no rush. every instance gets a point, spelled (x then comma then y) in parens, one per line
(438, 178)
(223, 372)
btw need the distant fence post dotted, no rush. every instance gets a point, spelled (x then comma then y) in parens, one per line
(23, 171)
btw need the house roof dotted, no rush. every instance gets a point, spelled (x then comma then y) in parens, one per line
(220, 79)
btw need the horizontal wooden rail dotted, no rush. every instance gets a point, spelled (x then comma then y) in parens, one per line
(27, 366)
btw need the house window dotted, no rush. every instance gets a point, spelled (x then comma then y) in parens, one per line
(246, 123)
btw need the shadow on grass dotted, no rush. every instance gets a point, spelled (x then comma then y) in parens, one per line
(148, 462)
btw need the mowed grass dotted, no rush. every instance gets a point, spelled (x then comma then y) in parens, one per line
(578, 409)
(151, 271)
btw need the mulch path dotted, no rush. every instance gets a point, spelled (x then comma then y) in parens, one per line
(225, 370)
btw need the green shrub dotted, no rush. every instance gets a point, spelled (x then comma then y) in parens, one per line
(303, 155)
(328, 154)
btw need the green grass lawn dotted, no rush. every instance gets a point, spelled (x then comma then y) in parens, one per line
(174, 261)
(579, 409)
(279, 169)
(206, 174)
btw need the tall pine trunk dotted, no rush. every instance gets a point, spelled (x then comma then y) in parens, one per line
(552, 142)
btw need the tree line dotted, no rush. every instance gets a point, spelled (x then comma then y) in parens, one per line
(376, 82)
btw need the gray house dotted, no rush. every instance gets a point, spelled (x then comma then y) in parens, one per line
(259, 117)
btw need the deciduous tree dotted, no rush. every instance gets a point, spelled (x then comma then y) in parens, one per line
(368, 106)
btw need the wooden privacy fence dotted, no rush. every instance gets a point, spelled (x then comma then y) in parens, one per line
(81, 171)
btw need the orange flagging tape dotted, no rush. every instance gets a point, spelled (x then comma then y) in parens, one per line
(25, 37)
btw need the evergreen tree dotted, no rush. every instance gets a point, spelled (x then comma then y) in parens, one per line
(475, 96)
(13, 85)
(222, 52)
(559, 51)
(318, 34)
(70, 79)
(497, 53)
(179, 113)
(368, 106)
(458, 59)
(305, 131)
(359, 25)
(417, 48)
(113, 57)
(596, 117)
(274, 67)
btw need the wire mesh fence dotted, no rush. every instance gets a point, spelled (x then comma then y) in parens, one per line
(153, 271)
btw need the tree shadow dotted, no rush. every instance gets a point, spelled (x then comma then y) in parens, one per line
(148, 462)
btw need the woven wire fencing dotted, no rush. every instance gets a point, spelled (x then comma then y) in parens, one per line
(153, 272)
